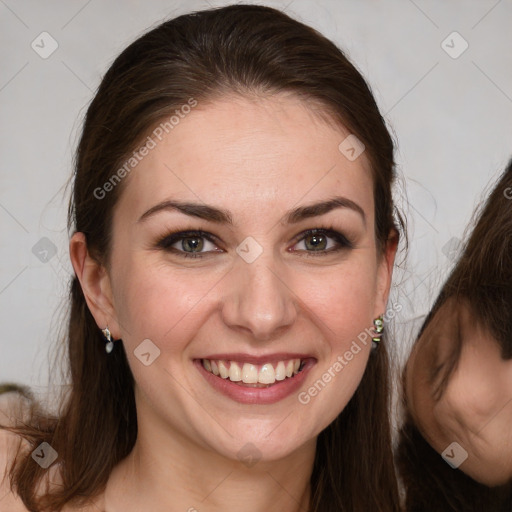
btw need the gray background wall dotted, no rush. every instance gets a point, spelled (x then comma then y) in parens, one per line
(451, 112)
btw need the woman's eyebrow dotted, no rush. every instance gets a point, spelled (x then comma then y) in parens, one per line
(222, 216)
(321, 208)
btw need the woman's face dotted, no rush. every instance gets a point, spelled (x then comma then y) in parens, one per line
(252, 296)
(475, 408)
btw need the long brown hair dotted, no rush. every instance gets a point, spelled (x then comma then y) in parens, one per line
(241, 49)
(482, 278)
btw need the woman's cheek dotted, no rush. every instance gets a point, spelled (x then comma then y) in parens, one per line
(350, 300)
(155, 296)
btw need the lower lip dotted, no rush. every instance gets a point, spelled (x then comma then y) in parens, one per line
(247, 395)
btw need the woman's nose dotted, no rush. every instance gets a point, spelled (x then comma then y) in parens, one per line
(258, 298)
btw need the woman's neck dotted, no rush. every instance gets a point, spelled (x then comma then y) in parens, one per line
(170, 472)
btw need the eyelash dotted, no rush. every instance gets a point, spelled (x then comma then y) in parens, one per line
(167, 241)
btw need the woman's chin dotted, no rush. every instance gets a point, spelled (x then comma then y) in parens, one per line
(252, 450)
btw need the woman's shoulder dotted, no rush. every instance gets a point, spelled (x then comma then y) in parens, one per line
(13, 406)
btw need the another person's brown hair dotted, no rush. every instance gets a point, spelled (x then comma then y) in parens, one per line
(482, 278)
(240, 49)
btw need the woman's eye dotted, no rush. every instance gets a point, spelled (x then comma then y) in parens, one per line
(188, 244)
(197, 244)
(322, 241)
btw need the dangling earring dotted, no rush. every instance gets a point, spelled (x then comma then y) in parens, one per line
(108, 336)
(378, 329)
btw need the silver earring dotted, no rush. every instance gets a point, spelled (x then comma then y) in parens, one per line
(378, 329)
(108, 336)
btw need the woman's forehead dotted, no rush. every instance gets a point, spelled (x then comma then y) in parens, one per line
(255, 151)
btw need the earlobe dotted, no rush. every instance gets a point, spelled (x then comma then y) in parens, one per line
(95, 284)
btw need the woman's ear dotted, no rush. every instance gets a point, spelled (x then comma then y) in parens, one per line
(385, 272)
(95, 284)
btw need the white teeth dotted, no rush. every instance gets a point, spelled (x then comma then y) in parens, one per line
(223, 370)
(280, 371)
(249, 373)
(235, 374)
(267, 374)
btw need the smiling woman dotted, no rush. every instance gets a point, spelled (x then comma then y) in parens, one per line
(227, 274)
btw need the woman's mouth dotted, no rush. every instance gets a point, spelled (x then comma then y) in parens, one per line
(249, 382)
(253, 375)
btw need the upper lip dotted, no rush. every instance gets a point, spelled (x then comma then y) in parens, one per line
(260, 359)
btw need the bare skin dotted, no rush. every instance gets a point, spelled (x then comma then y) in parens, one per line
(259, 159)
(475, 409)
